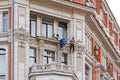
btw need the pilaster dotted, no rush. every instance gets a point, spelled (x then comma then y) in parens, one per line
(21, 45)
(41, 51)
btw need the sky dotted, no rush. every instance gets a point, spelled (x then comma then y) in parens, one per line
(115, 8)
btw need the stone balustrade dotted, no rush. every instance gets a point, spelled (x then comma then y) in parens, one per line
(51, 67)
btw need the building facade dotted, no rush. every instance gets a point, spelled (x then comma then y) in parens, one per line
(29, 41)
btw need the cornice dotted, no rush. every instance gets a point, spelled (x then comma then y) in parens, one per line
(102, 36)
(105, 4)
(83, 8)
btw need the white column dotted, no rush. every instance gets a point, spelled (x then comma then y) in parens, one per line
(38, 25)
(16, 16)
(83, 62)
(15, 60)
(55, 27)
(70, 30)
(1, 24)
(27, 19)
(27, 61)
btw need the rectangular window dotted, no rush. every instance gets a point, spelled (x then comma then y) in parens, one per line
(49, 57)
(5, 21)
(33, 25)
(88, 43)
(62, 30)
(104, 61)
(32, 56)
(87, 73)
(2, 62)
(47, 27)
(64, 59)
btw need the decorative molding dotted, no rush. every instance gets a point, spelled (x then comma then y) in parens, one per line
(21, 36)
(32, 41)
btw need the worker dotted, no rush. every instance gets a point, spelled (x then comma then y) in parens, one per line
(62, 42)
(72, 44)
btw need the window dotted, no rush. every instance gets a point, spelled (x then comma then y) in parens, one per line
(87, 72)
(2, 61)
(62, 30)
(104, 61)
(88, 43)
(49, 57)
(33, 25)
(5, 21)
(47, 27)
(64, 59)
(32, 56)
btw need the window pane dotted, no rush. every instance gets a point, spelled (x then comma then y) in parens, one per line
(50, 31)
(33, 28)
(2, 62)
(87, 71)
(62, 30)
(64, 59)
(65, 33)
(32, 52)
(5, 21)
(2, 65)
(32, 56)
(49, 57)
(45, 60)
(33, 21)
(44, 32)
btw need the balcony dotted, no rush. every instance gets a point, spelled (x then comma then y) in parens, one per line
(37, 71)
(37, 68)
(2, 77)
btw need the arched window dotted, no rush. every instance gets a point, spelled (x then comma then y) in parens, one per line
(2, 61)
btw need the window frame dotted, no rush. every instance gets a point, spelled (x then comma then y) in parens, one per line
(88, 43)
(5, 28)
(51, 23)
(35, 20)
(33, 57)
(47, 57)
(5, 60)
(65, 62)
(64, 26)
(88, 69)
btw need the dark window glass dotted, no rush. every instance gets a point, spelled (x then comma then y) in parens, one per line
(5, 21)
(33, 23)
(2, 62)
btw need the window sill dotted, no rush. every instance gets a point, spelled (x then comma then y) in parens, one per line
(3, 34)
(53, 40)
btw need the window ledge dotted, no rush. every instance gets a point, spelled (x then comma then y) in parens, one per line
(4, 34)
(53, 40)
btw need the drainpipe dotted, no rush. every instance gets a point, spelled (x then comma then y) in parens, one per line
(12, 40)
